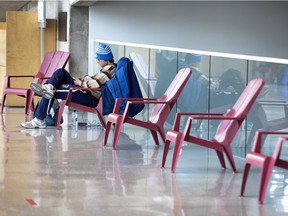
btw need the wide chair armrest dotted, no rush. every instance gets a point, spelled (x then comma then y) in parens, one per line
(73, 89)
(199, 116)
(8, 78)
(19, 76)
(258, 138)
(131, 101)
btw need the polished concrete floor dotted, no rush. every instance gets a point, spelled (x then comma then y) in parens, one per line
(67, 172)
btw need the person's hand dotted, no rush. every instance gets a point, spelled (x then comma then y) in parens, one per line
(77, 81)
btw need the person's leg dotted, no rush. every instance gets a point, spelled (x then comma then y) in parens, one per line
(59, 77)
(39, 114)
(43, 108)
(81, 97)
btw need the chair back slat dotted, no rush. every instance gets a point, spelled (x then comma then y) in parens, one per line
(227, 129)
(51, 62)
(160, 111)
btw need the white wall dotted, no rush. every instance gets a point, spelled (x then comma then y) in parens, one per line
(250, 28)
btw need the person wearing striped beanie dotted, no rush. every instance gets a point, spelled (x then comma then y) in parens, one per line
(105, 59)
(104, 53)
(60, 82)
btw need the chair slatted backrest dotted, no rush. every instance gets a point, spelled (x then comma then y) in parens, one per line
(227, 129)
(51, 62)
(160, 111)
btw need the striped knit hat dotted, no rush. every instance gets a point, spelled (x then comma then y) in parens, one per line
(104, 53)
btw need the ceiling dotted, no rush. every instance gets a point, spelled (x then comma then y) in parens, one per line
(10, 6)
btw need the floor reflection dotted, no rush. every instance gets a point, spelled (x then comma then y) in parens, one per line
(66, 172)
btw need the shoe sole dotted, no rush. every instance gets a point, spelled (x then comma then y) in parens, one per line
(40, 91)
(33, 127)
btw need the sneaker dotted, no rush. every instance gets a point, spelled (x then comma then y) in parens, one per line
(45, 90)
(34, 123)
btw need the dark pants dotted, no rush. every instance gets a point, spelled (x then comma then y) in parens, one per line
(62, 80)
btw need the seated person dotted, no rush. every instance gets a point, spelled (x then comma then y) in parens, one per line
(58, 85)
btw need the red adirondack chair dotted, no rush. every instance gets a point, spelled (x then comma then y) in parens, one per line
(225, 133)
(127, 68)
(159, 113)
(265, 162)
(51, 62)
(67, 102)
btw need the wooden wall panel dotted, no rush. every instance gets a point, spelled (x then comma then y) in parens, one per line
(23, 47)
(2, 74)
(2, 54)
(2, 44)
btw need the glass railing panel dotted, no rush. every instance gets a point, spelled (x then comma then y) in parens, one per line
(228, 78)
(214, 86)
(194, 97)
(271, 109)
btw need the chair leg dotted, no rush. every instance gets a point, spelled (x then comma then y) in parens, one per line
(230, 158)
(30, 101)
(3, 102)
(118, 121)
(165, 152)
(108, 126)
(177, 147)
(171, 136)
(101, 119)
(221, 159)
(29, 97)
(60, 112)
(265, 176)
(162, 133)
(32, 107)
(155, 137)
(244, 178)
(117, 129)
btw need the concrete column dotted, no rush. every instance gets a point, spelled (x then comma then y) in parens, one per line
(78, 44)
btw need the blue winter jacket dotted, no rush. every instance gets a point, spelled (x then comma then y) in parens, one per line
(124, 84)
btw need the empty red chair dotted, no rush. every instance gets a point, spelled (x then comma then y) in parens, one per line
(51, 62)
(265, 162)
(225, 133)
(159, 113)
